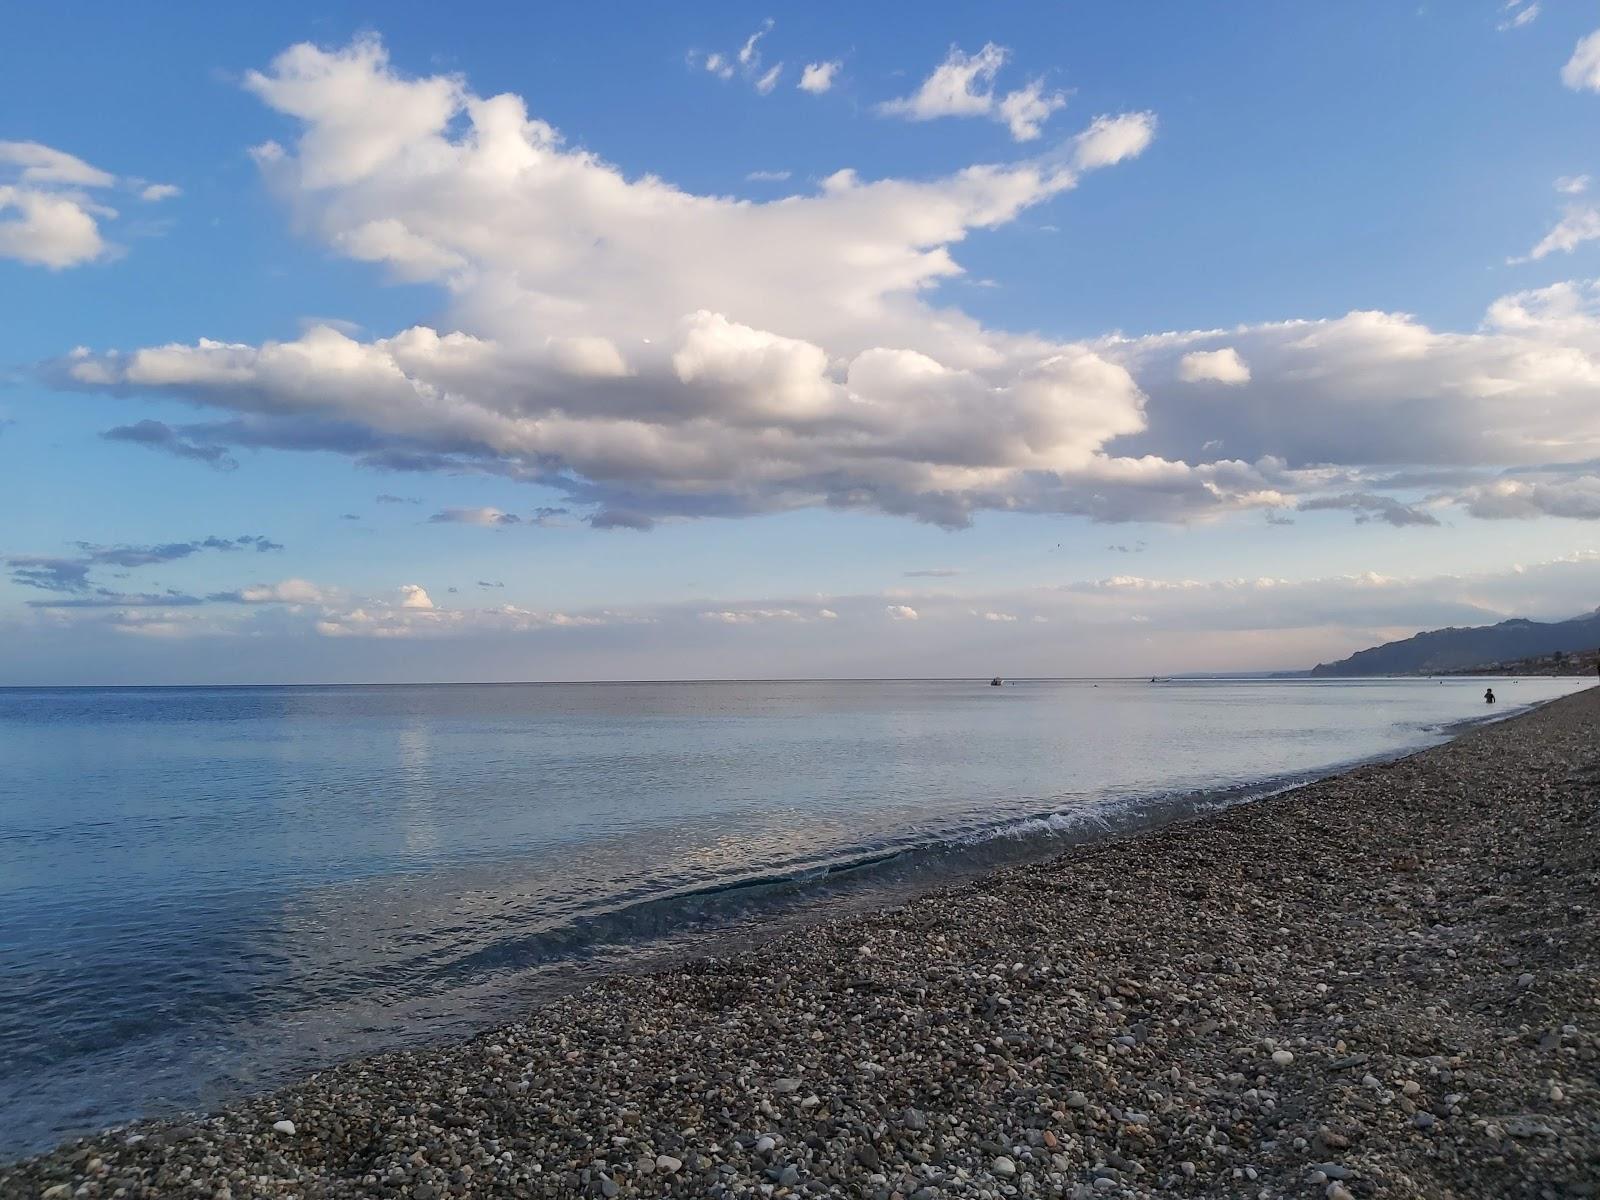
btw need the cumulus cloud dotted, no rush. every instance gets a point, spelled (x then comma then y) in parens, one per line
(1577, 498)
(1329, 400)
(49, 213)
(1582, 72)
(963, 86)
(287, 591)
(412, 596)
(901, 612)
(1214, 366)
(622, 339)
(1572, 185)
(752, 616)
(818, 77)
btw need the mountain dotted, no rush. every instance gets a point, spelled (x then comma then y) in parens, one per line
(1457, 649)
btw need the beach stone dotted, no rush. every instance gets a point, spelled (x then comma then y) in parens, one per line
(1004, 1165)
(284, 1127)
(1282, 1058)
(668, 1165)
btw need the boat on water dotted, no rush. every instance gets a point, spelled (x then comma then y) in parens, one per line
(995, 682)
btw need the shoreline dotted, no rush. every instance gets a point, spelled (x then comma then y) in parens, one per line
(1096, 1023)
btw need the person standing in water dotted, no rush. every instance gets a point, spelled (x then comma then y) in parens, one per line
(1488, 695)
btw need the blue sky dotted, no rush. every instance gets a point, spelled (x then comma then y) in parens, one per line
(1142, 338)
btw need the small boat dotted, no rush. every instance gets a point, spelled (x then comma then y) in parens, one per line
(995, 682)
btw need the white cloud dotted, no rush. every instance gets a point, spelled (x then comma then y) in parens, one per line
(749, 56)
(623, 340)
(1216, 366)
(1333, 401)
(159, 191)
(768, 176)
(288, 591)
(413, 596)
(485, 517)
(1000, 618)
(1522, 16)
(818, 77)
(48, 216)
(963, 86)
(1578, 226)
(746, 62)
(768, 79)
(1025, 111)
(1110, 140)
(1572, 185)
(49, 229)
(1582, 72)
(753, 616)
(41, 166)
(901, 612)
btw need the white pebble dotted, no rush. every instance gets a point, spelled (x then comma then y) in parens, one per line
(1282, 1057)
(284, 1127)
(1004, 1166)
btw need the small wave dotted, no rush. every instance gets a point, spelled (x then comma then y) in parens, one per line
(853, 882)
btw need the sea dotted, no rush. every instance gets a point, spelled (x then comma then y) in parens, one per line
(205, 892)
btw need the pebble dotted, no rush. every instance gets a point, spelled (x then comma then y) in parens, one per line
(1282, 1057)
(668, 1165)
(1004, 1166)
(284, 1127)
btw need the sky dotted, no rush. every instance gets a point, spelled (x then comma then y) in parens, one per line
(367, 343)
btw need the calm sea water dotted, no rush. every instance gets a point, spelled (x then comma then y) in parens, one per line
(205, 891)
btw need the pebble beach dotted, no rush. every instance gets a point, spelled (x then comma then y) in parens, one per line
(1383, 984)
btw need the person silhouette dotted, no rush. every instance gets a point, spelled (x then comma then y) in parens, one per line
(1488, 695)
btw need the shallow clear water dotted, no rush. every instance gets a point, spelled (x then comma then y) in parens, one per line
(206, 890)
